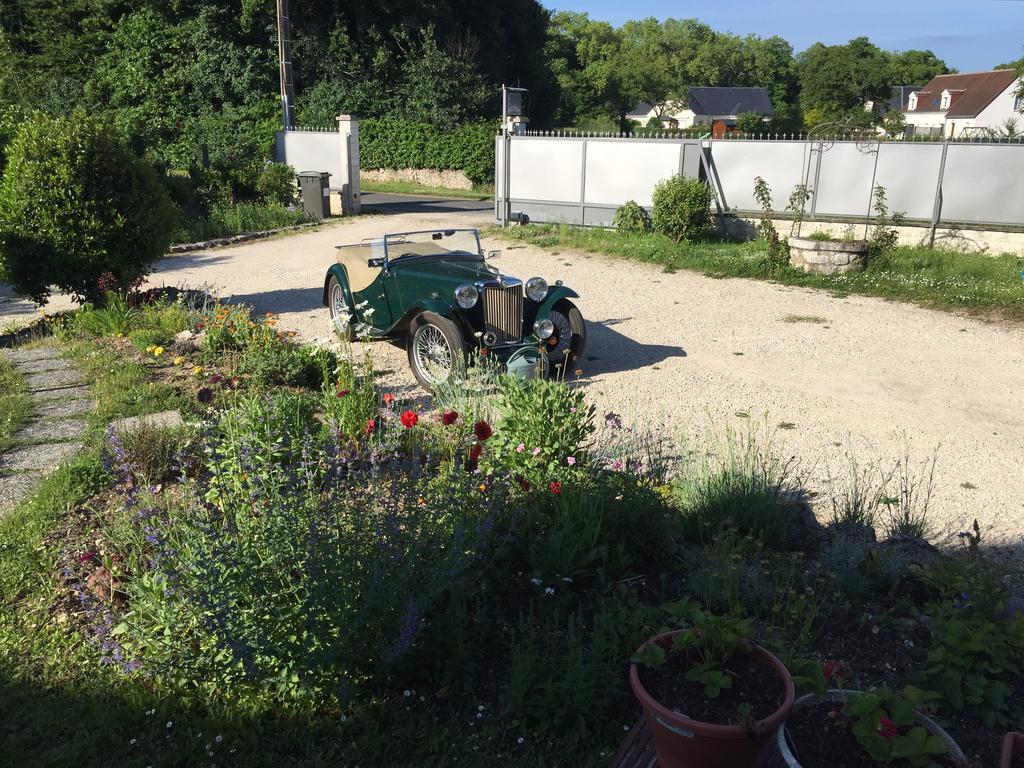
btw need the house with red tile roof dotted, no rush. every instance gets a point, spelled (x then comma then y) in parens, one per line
(964, 105)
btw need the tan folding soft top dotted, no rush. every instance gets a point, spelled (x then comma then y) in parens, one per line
(355, 257)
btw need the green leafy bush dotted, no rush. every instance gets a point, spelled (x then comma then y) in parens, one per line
(977, 662)
(276, 184)
(76, 204)
(390, 143)
(631, 217)
(543, 430)
(682, 208)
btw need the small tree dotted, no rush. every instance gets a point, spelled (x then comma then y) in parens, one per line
(749, 122)
(682, 208)
(276, 184)
(894, 123)
(76, 204)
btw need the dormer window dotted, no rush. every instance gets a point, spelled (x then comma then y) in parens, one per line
(912, 102)
(944, 102)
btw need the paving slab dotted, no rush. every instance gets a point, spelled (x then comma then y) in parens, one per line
(51, 431)
(45, 365)
(14, 488)
(49, 380)
(69, 392)
(166, 419)
(31, 354)
(62, 407)
(46, 457)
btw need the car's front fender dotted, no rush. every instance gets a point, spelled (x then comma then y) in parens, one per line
(555, 294)
(438, 307)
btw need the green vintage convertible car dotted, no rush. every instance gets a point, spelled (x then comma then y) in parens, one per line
(438, 290)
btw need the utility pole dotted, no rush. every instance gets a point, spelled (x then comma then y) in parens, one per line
(284, 55)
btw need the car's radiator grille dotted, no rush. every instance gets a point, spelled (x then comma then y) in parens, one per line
(503, 312)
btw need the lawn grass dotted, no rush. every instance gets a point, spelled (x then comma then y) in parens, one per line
(951, 280)
(412, 188)
(15, 402)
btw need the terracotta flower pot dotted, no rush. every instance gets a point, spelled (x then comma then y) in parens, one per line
(681, 742)
(782, 756)
(1013, 746)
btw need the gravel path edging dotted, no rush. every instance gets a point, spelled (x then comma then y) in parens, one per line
(218, 242)
(41, 444)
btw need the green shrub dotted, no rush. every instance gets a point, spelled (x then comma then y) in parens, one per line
(146, 338)
(395, 144)
(682, 208)
(276, 184)
(76, 204)
(542, 432)
(631, 217)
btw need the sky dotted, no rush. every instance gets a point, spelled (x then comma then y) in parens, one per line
(969, 35)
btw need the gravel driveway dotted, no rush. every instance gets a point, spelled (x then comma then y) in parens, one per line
(695, 353)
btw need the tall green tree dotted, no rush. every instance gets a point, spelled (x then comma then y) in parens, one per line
(915, 67)
(836, 80)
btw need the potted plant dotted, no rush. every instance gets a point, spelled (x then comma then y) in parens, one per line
(841, 728)
(711, 697)
(1013, 751)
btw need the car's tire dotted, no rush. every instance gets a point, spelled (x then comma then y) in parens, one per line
(341, 313)
(436, 349)
(570, 336)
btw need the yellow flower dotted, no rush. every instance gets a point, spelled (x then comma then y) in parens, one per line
(197, 369)
(118, 335)
(150, 348)
(179, 360)
(158, 351)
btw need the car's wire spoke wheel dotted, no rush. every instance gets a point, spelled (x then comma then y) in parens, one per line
(570, 338)
(436, 348)
(340, 316)
(433, 355)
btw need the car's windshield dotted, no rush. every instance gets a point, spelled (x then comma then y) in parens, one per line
(433, 242)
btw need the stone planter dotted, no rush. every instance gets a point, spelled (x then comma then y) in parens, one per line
(827, 257)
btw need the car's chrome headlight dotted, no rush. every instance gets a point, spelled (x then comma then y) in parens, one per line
(467, 296)
(537, 288)
(543, 329)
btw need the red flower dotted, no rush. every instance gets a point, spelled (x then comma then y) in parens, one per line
(886, 728)
(409, 419)
(482, 430)
(834, 669)
(449, 417)
(342, 392)
(388, 399)
(555, 487)
(370, 426)
(200, 326)
(523, 483)
(474, 457)
(86, 557)
(215, 378)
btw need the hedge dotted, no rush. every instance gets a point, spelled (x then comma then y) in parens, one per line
(394, 144)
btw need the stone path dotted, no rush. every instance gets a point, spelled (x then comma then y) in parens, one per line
(53, 433)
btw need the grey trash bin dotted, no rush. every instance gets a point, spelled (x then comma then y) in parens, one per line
(316, 200)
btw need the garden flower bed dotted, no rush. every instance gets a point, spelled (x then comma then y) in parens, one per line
(314, 570)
